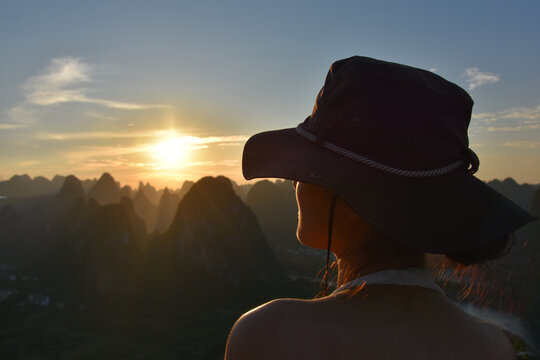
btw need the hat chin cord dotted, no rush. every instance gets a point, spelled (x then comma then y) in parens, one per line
(330, 230)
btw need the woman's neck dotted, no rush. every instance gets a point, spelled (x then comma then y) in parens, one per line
(361, 260)
(362, 249)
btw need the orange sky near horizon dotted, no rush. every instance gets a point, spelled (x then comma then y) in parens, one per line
(166, 93)
(167, 158)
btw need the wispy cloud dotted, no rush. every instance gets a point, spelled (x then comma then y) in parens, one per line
(18, 117)
(232, 143)
(476, 78)
(98, 115)
(524, 144)
(156, 134)
(65, 80)
(57, 83)
(485, 117)
(221, 140)
(522, 113)
(514, 128)
(207, 164)
(27, 163)
(150, 139)
(11, 126)
(87, 158)
(96, 135)
(101, 152)
(513, 119)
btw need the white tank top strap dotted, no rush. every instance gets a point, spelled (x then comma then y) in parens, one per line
(403, 277)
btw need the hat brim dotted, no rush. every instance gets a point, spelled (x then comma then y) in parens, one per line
(447, 214)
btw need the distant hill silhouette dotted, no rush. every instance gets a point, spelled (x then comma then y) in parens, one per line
(24, 186)
(127, 191)
(12, 224)
(38, 222)
(83, 252)
(145, 209)
(92, 271)
(150, 192)
(535, 209)
(96, 259)
(137, 224)
(532, 274)
(274, 204)
(241, 190)
(166, 210)
(87, 184)
(212, 258)
(214, 241)
(276, 212)
(71, 189)
(520, 194)
(186, 185)
(105, 191)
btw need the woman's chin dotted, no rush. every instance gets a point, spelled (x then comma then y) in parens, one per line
(310, 241)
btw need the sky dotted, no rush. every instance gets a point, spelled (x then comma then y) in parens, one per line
(164, 91)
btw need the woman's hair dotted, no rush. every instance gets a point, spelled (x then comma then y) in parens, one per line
(462, 261)
(477, 275)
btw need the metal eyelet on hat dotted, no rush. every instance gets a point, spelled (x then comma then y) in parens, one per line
(355, 122)
(316, 176)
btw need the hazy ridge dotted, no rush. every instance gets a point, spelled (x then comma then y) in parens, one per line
(165, 272)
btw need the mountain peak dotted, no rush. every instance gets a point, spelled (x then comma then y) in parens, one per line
(126, 191)
(105, 191)
(520, 194)
(215, 229)
(166, 210)
(71, 189)
(510, 182)
(166, 192)
(186, 186)
(126, 203)
(20, 179)
(275, 207)
(145, 209)
(140, 196)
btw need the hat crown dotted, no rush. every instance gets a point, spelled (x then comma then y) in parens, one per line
(391, 141)
(394, 114)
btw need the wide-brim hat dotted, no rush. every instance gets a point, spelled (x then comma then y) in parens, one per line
(391, 141)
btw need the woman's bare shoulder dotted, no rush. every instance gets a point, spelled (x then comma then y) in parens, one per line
(484, 338)
(256, 333)
(499, 342)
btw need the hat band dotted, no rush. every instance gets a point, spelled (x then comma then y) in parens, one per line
(376, 165)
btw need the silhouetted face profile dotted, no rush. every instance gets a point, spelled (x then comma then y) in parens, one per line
(313, 213)
(350, 230)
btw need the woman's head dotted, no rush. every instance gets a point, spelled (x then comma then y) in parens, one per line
(352, 235)
(314, 205)
(391, 142)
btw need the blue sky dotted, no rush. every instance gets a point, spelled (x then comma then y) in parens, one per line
(87, 87)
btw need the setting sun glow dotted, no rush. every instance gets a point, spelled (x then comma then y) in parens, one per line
(170, 152)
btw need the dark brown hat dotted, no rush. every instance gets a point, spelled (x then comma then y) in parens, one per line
(391, 141)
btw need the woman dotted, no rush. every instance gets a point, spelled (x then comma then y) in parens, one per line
(383, 175)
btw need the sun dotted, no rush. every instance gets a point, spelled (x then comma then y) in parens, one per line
(170, 152)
